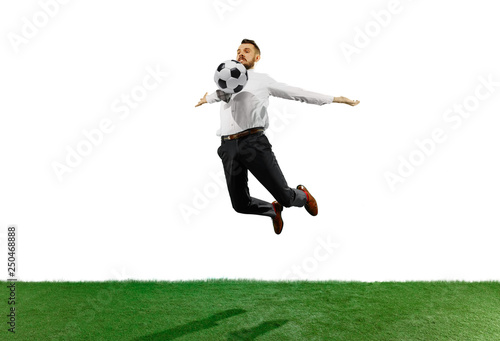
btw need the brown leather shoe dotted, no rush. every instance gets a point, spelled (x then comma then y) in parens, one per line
(311, 204)
(277, 221)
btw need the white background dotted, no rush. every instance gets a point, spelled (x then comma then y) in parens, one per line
(118, 213)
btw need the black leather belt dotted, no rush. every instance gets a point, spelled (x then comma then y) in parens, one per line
(241, 134)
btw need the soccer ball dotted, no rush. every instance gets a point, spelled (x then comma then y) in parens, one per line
(231, 76)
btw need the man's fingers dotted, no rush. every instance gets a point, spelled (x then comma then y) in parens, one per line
(202, 100)
(352, 102)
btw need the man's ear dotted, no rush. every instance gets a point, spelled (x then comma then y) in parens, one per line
(257, 58)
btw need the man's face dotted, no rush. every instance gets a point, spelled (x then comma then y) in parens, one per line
(246, 55)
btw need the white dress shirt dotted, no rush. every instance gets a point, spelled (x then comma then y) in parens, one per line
(248, 108)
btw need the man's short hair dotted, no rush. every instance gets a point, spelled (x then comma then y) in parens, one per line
(249, 41)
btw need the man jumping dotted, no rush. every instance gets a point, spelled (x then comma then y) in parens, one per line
(245, 147)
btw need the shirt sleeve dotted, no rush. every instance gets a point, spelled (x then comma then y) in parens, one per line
(212, 98)
(285, 91)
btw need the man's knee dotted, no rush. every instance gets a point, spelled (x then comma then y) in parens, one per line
(240, 207)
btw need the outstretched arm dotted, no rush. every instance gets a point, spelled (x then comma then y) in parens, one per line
(212, 98)
(345, 100)
(290, 92)
(286, 91)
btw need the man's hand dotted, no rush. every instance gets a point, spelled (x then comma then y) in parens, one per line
(202, 100)
(345, 100)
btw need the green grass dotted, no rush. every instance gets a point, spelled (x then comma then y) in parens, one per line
(253, 310)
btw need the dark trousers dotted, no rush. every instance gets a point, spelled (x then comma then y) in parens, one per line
(253, 153)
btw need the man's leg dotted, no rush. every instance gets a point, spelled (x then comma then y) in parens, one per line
(237, 182)
(260, 160)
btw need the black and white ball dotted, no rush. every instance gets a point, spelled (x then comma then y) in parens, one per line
(231, 76)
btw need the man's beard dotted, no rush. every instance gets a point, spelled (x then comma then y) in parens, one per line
(249, 65)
